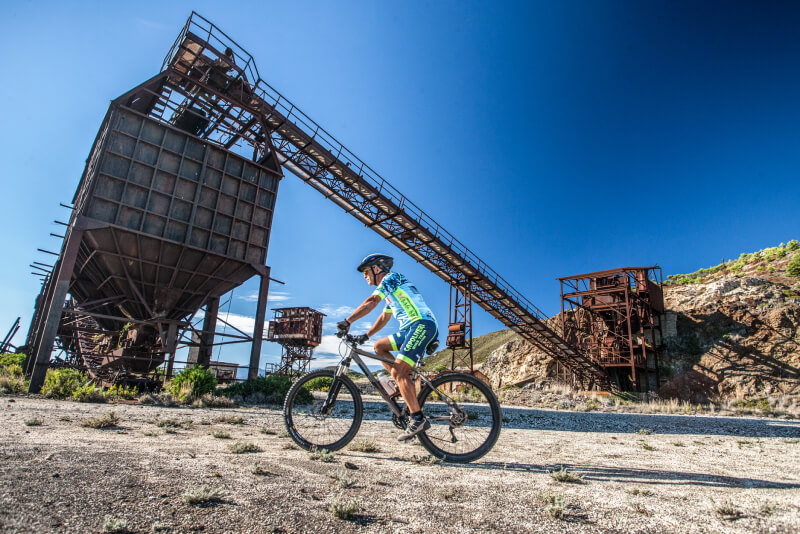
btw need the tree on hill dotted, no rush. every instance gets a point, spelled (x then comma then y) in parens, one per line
(793, 268)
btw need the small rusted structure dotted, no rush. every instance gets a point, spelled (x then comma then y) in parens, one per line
(298, 331)
(614, 317)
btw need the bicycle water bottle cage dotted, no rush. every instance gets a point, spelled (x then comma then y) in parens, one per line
(432, 346)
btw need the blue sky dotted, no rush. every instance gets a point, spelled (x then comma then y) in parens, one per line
(552, 138)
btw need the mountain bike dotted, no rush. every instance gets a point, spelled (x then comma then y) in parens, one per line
(323, 409)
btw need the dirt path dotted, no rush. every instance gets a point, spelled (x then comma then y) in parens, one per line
(682, 476)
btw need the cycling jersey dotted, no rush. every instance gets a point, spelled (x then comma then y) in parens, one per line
(403, 300)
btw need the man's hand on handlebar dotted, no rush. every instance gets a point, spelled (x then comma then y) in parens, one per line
(356, 340)
(342, 327)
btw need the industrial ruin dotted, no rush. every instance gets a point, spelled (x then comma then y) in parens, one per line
(298, 331)
(174, 209)
(614, 317)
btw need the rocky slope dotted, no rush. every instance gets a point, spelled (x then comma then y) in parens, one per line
(732, 331)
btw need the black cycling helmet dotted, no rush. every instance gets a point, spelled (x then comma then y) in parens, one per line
(381, 260)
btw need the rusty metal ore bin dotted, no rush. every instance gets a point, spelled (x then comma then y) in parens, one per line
(164, 183)
(173, 218)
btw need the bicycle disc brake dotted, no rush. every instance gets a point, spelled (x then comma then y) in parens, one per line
(458, 416)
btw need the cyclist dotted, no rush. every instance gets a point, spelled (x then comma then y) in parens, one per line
(417, 330)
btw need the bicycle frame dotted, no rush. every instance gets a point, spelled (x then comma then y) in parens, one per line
(353, 356)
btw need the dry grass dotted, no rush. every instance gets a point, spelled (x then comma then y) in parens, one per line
(106, 420)
(554, 503)
(343, 508)
(229, 419)
(243, 447)
(220, 434)
(425, 460)
(115, 525)
(203, 495)
(213, 401)
(563, 475)
(365, 445)
(321, 455)
(35, 421)
(727, 511)
(261, 470)
(343, 478)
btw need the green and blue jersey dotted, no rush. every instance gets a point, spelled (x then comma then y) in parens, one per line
(403, 300)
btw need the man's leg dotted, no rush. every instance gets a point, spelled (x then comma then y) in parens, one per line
(383, 347)
(401, 372)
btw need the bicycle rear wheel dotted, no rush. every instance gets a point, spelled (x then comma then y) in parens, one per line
(465, 420)
(313, 425)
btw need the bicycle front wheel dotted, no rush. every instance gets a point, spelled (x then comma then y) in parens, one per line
(322, 411)
(465, 417)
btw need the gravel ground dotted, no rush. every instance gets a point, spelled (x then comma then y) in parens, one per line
(640, 473)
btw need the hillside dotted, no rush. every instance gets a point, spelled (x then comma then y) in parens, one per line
(731, 331)
(482, 347)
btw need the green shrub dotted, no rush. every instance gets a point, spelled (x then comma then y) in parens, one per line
(12, 370)
(192, 383)
(9, 359)
(321, 383)
(61, 383)
(12, 384)
(272, 386)
(792, 245)
(793, 268)
(88, 393)
(117, 392)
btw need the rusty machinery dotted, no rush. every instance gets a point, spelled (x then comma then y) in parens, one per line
(298, 331)
(175, 208)
(614, 317)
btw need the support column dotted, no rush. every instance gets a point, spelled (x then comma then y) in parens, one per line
(62, 273)
(258, 331)
(209, 328)
(171, 346)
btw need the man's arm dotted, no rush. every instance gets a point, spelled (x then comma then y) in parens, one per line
(367, 306)
(380, 322)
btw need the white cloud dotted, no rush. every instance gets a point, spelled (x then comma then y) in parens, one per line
(274, 297)
(339, 312)
(245, 323)
(329, 346)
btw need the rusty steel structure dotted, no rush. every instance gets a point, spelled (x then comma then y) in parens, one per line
(298, 331)
(175, 208)
(614, 317)
(459, 331)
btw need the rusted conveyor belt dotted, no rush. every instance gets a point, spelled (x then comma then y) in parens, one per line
(321, 161)
(362, 193)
